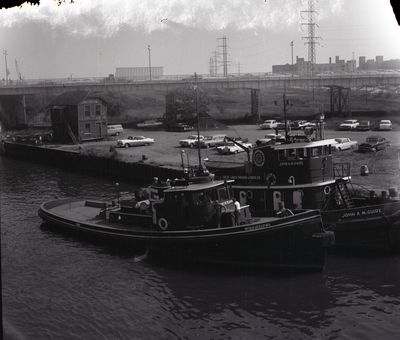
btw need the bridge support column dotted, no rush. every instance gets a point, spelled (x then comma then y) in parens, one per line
(255, 99)
(340, 100)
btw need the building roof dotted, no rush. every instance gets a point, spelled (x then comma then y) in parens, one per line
(73, 98)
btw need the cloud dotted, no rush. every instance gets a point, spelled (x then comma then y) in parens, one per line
(104, 18)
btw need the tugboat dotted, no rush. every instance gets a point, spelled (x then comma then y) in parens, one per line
(302, 175)
(198, 219)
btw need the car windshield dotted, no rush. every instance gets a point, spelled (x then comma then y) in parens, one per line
(349, 121)
(138, 137)
(385, 121)
(339, 140)
(192, 137)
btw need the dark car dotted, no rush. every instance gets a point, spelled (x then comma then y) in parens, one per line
(180, 127)
(364, 125)
(374, 143)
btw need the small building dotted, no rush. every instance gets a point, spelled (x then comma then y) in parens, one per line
(78, 116)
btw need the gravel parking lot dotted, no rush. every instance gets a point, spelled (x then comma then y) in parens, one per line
(383, 165)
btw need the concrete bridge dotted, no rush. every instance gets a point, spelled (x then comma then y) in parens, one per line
(56, 87)
(12, 96)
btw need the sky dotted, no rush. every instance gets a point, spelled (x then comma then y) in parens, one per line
(90, 38)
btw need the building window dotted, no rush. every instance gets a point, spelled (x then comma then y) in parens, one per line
(87, 110)
(98, 110)
(87, 127)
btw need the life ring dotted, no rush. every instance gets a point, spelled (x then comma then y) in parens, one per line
(163, 223)
(271, 179)
(258, 158)
(249, 194)
(327, 190)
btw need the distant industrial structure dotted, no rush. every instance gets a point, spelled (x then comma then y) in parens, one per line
(378, 64)
(303, 68)
(139, 73)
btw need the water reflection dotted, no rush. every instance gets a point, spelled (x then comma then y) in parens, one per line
(62, 286)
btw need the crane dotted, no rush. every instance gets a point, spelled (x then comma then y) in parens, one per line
(18, 71)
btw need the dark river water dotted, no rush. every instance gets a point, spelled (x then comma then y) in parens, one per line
(61, 287)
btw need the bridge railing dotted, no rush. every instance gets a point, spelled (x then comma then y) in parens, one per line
(190, 79)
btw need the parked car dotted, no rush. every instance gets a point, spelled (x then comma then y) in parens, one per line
(211, 141)
(134, 141)
(344, 143)
(230, 148)
(189, 142)
(269, 124)
(374, 143)
(349, 124)
(180, 127)
(271, 138)
(299, 124)
(281, 125)
(364, 125)
(385, 124)
(114, 130)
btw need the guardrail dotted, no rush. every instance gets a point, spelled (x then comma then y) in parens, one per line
(188, 78)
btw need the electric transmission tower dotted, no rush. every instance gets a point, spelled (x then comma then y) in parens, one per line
(311, 39)
(224, 55)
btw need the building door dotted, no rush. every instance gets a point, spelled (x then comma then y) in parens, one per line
(98, 130)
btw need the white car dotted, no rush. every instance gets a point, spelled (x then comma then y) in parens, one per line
(349, 124)
(271, 138)
(385, 125)
(190, 141)
(134, 141)
(344, 143)
(211, 141)
(269, 124)
(231, 147)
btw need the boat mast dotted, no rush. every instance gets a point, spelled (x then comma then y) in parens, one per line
(198, 120)
(285, 111)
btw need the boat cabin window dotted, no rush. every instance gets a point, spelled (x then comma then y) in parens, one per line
(223, 194)
(302, 153)
(315, 152)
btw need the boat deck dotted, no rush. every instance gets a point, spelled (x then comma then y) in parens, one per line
(78, 211)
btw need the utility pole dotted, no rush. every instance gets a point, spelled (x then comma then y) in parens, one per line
(5, 59)
(311, 39)
(148, 47)
(291, 45)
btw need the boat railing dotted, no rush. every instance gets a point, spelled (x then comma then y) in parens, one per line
(341, 170)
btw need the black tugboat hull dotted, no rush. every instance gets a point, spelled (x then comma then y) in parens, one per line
(373, 226)
(290, 242)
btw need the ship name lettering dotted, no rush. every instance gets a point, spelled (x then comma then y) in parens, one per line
(256, 227)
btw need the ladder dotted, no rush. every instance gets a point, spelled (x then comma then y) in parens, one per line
(345, 194)
(71, 133)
